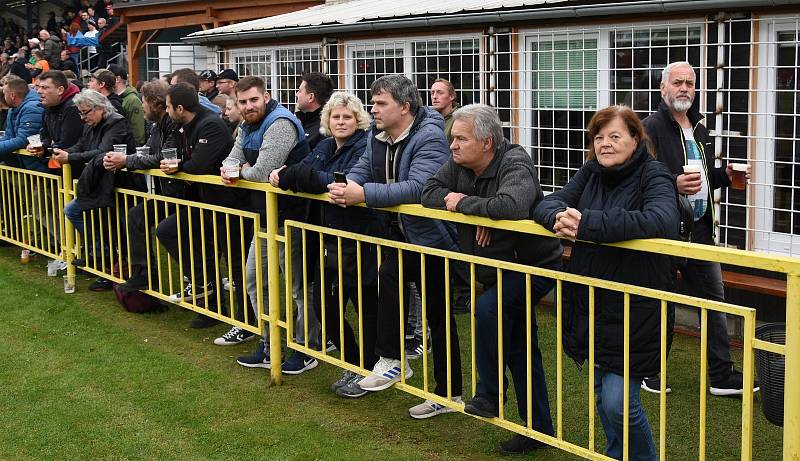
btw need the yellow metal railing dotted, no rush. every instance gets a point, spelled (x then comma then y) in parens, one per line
(14, 211)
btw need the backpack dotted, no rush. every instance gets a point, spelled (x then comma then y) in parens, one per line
(137, 302)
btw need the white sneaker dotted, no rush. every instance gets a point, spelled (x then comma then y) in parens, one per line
(429, 409)
(385, 373)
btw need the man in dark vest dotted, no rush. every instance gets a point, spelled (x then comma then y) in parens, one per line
(269, 137)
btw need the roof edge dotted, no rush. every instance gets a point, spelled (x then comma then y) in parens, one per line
(483, 17)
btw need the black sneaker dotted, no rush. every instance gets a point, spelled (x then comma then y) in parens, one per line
(731, 385)
(137, 281)
(520, 445)
(481, 406)
(201, 321)
(258, 359)
(79, 263)
(234, 336)
(189, 292)
(101, 285)
(414, 349)
(653, 384)
(462, 304)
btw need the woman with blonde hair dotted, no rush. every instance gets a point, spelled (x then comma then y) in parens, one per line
(345, 121)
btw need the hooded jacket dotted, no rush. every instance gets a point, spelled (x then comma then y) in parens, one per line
(631, 201)
(162, 136)
(23, 121)
(508, 189)
(133, 111)
(419, 157)
(62, 125)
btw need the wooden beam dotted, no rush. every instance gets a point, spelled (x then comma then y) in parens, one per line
(147, 40)
(7, 9)
(200, 7)
(133, 56)
(166, 23)
(238, 14)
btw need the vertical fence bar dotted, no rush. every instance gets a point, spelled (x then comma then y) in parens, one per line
(591, 401)
(662, 396)
(559, 364)
(500, 364)
(273, 278)
(791, 402)
(528, 352)
(747, 386)
(703, 383)
(69, 230)
(626, 375)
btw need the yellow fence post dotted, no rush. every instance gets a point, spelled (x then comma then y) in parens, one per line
(791, 403)
(274, 287)
(69, 230)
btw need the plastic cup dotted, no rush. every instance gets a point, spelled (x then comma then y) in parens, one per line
(231, 167)
(121, 148)
(171, 156)
(738, 179)
(2, 134)
(35, 140)
(690, 169)
(69, 284)
(52, 269)
(144, 150)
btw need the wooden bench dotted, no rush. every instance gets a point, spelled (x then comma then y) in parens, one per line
(737, 281)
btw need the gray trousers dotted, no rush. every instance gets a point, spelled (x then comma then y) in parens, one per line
(297, 287)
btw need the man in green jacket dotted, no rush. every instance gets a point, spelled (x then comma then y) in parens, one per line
(131, 103)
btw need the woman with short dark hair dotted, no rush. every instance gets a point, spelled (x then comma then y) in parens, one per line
(620, 193)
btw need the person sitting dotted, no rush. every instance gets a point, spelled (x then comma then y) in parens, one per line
(620, 193)
(343, 124)
(104, 127)
(490, 177)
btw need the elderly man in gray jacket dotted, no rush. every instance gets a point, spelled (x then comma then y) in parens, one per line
(490, 177)
(405, 147)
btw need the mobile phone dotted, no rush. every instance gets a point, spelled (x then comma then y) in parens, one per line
(338, 176)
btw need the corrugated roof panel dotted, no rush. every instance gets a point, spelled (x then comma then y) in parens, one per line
(354, 11)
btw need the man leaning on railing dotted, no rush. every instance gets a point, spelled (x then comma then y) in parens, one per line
(406, 146)
(490, 177)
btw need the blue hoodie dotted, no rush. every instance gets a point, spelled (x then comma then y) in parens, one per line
(21, 122)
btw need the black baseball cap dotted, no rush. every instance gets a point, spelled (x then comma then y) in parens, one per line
(229, 74)
(209, 75)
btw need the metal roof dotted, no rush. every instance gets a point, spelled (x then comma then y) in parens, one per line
(124, 4)
(355, 11)
(382, 15)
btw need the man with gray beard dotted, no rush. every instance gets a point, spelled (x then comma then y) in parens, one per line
(680, 139)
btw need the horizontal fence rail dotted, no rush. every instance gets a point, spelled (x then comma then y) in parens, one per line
(33, 204)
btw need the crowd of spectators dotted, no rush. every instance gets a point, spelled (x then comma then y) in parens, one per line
(445, 157)
(84, 25)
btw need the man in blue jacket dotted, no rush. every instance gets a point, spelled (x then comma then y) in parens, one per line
(405, 147)
(24, 119)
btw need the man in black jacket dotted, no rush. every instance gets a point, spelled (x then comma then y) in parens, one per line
(487, 176)
(314, 91)
(203, 141)
(61, 124)
(681, 139)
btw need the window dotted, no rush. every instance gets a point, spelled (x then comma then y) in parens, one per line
(290, 65)
(563, 96)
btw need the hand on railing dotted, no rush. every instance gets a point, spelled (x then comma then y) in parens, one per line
(114, 161)
(345, 194)
(567, 223)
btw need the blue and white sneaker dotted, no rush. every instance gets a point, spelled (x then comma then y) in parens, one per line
(385, 373)
(429, 409)
(258, 359)
(298, 363)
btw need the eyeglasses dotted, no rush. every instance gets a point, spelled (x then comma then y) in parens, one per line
(84, 113)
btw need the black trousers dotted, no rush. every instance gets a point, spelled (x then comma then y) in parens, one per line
(190, 254)
(388, 342)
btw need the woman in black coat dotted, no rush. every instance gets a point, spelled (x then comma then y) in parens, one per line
(620, 193)
(345, 121)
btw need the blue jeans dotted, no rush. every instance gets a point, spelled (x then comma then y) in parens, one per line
(609, 394)
(514, 347)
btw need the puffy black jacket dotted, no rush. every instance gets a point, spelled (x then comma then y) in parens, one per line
(313, 174)
(617, 204)
(508, 189)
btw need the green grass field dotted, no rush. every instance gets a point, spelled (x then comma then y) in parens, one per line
(80, 378)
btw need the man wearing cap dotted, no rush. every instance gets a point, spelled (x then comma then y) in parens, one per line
(131, 103)
(226, 82)
(208, 84)
(103, 81)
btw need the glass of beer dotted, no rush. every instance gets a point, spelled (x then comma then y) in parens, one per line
(171, 156)
(35, 142)
(738, 179)
(121, 148)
